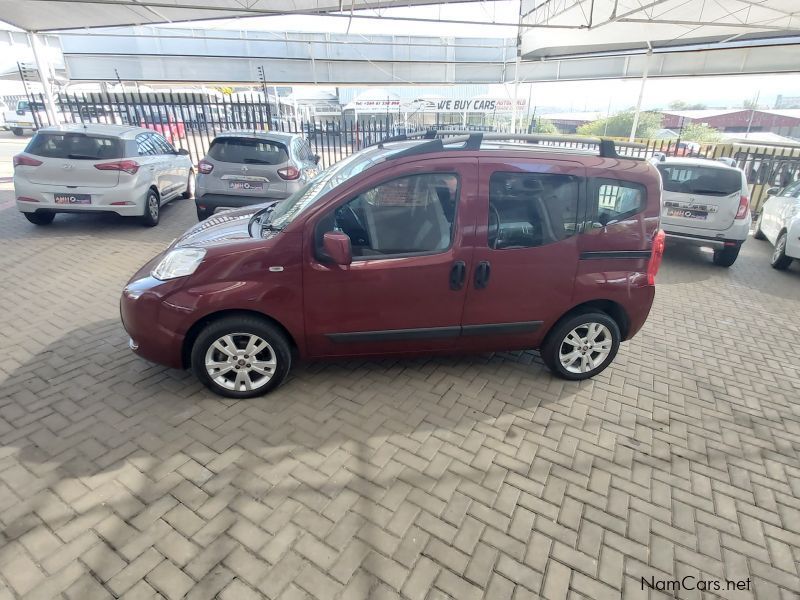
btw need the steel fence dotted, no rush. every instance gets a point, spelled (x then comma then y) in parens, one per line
(190, 121)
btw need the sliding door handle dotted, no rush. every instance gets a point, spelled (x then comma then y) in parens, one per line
(482, 273)
(457, 274)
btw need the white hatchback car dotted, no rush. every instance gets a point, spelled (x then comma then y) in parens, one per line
(779, 222)
(93, 168)
(705, 203)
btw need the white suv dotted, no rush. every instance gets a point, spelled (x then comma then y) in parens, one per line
(92, 168)
(705, 203)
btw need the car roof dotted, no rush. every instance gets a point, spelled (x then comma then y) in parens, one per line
(120, 131)
(272, 136)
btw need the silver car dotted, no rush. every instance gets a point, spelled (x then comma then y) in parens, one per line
(250, 167)
(94, 168)
(705, 203)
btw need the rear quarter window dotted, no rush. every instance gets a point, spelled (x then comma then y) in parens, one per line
(76, 146)
(614, 200)
(248, 151)
(706, 181)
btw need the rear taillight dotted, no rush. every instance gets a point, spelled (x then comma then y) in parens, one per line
(289, 173)
(655, 257)
(205, 167)
(744, 205)
(20, 160)
(129, 166)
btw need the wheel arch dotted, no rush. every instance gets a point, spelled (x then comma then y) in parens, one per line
(613, 309)
(200, 324)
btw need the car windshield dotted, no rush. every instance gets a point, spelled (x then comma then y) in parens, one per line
(248, 151)
(288, 210)
(701, 180)
(76, 146)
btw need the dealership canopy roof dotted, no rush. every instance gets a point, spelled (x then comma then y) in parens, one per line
(603, 22)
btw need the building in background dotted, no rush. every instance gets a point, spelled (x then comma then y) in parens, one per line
(784, 122)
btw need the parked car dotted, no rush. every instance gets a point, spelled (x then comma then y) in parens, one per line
(3, 110)
(94, 168)
(169, 126)
(21, 117)
(706, 203)
(779, 222)
(407, 248)
(247, 167)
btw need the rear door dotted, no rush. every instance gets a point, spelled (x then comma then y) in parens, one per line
(152, 159)
(246, 166)
(174, 174)
(702, 197)
(69, 159)
(526, 251)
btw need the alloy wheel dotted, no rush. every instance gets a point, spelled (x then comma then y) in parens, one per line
(240, 362)
(585, 348)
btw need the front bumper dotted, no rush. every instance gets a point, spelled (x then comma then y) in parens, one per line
(156, 333)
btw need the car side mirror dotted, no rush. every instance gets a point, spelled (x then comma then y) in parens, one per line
(773, 191)
(337, 245)
(317, 158)
(183, 152)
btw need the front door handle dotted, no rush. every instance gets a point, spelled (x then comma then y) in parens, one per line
(482, 272)
(457, 274)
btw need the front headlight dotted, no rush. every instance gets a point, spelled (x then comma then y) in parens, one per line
(178, 263)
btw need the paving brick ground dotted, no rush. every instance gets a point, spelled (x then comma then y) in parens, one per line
(476, 477)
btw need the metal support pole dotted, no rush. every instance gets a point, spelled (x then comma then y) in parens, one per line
(641, 94)
(44, 77)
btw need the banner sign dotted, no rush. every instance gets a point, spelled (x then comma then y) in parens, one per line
(444, 105)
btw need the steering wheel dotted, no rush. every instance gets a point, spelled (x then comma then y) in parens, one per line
(351, 214)
(494, 228)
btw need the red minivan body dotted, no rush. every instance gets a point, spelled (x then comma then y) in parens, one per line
(411, 248)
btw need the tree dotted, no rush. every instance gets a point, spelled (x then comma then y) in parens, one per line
(750, 103)
(683, 105)
(700, 132)
(619, 125)
(542, 126)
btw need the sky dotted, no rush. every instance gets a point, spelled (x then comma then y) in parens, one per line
(600, 96)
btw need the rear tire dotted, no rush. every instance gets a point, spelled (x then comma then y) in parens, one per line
(204, 213)
(779, 259)
(725, 257)
(759, 235)
(40, 218)
(17, 131)
(152, 209)
(221, 360)
(581, 346)
(190, 186)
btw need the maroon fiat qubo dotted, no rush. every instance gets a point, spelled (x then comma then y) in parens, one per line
(412, 247)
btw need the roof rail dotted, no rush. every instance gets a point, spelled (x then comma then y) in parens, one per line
(607, 147)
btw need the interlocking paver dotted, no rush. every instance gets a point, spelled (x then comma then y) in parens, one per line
(461, 477)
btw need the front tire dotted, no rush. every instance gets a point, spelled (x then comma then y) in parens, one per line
(241, 357)
(581, 346)
(17, 131)
(779, 259)
(725, 257)
(152, 209)
(191, 184)
(40, 218)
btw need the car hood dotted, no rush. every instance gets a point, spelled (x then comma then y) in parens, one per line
(221, 228)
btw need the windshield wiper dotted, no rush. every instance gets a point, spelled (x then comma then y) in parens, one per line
(82, 157)
(256, 161)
